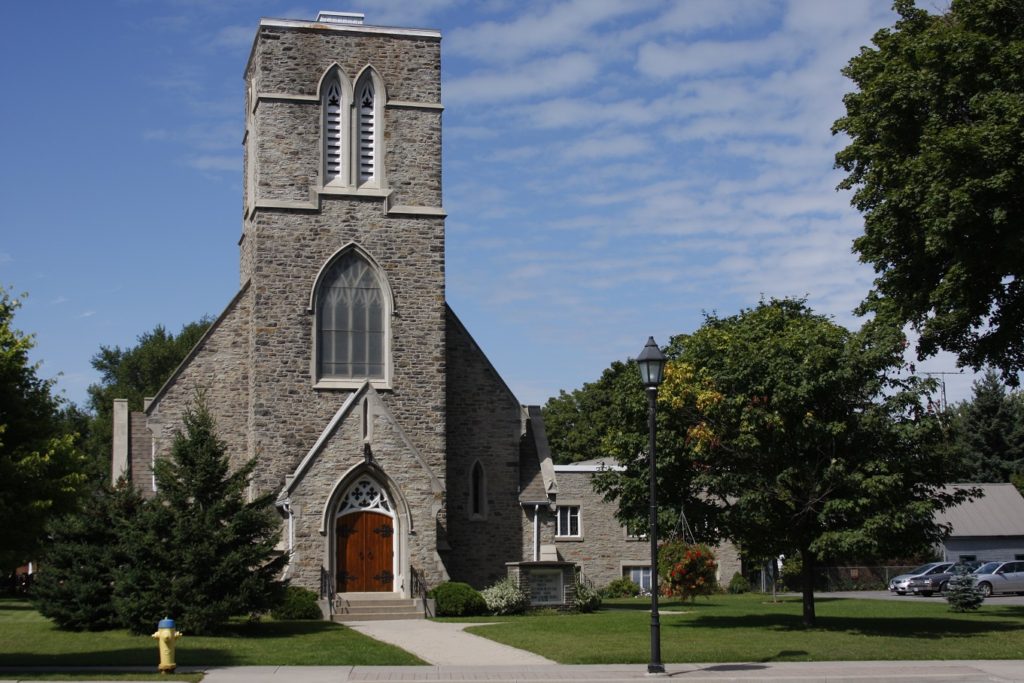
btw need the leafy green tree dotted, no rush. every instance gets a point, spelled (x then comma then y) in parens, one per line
(935, 165)
(987, 432)
(41, 470)
(801, 436)
(198, 552)
(577, 423)
(132, 373)
(82, 553)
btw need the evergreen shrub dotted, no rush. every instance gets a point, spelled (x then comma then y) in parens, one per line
(198, 551)
(587, 599)
(962, 592)
(297, 603)
(739, 584)
(75, 586)
(456, 599)
(622, 587)
(505, 597)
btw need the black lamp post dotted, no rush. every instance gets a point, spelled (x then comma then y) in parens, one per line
(652, 370)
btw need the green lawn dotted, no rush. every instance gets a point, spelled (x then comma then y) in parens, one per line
(29, 640)
(749, 627)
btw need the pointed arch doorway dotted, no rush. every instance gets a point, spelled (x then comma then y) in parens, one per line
(365, 540)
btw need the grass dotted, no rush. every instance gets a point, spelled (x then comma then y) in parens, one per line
(750, 628)
(27, 639)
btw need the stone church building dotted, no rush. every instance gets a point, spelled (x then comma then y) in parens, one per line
(399, 457)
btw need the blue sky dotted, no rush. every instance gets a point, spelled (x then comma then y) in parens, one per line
(612, 169)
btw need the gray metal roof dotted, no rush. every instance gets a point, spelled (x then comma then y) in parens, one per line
(999, 513)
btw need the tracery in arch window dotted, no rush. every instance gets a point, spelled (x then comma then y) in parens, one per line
(365, 496)
(351, 321)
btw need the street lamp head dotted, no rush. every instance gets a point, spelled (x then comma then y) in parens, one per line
(651, 362)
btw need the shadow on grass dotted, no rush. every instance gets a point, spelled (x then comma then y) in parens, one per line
(892, 627)
(275, 629)
(133, 656)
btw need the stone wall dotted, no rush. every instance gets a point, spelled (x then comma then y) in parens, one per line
(141, 450)
(217, 369)
(484, 424)
(604, 549)
(414, 492)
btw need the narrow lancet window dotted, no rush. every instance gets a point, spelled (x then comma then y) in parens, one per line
(367, 161)
(334, 128)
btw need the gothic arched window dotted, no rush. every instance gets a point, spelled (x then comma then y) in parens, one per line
(352, 310)
(334, 132)
(368, 112)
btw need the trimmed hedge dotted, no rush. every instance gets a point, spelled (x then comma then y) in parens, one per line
(298, 603)
(455, 599)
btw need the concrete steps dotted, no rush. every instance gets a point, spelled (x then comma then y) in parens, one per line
(375, 607)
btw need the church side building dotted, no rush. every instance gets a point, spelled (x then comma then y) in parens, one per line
(391, 443)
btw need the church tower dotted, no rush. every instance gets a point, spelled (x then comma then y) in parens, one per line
(392, 446)
(342, 214)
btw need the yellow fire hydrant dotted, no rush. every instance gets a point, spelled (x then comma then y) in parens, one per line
(167, 637)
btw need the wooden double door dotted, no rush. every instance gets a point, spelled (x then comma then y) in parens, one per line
(366, 552)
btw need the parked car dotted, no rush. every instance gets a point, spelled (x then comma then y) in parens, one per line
(1000, 577)
(898, 584)
(936, 583)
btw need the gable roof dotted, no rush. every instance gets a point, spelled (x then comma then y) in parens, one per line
(1000, 512)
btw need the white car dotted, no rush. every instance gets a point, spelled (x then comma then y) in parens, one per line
(1000, 577)
(898, 584)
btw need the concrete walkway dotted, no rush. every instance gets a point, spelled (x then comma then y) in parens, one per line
(446, 644)
(802, 672)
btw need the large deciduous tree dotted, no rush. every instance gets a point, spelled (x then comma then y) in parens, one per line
(936, 162)
(798, 437)
(41, 470)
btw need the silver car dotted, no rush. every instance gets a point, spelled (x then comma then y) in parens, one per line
(898, 584)
(1000, 577)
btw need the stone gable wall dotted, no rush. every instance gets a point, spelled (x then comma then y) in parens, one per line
(414, 500)
(219, 368)
(484, 422)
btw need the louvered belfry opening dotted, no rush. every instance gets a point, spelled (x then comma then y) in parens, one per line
(367, 133)
(334, 126)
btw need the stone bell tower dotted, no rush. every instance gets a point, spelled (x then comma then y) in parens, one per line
(342, 154)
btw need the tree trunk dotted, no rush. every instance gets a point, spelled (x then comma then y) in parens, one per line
(808, 563)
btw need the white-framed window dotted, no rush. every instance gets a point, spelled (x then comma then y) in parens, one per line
(569, 521)
(352, 308)
(477, 491)
(640, 575)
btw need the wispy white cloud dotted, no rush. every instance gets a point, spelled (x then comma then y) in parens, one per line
(212, 162)
(541, 77)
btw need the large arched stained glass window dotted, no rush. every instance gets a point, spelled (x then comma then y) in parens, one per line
(351, 324)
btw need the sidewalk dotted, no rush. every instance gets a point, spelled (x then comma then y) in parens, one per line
(989, 671)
